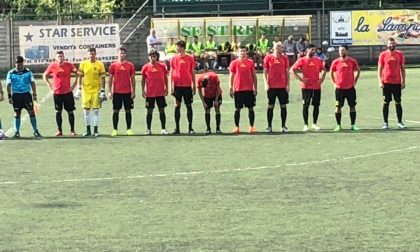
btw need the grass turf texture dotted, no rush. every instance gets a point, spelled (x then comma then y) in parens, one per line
(321, 191)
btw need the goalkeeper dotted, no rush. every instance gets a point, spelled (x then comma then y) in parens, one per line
(91, 82)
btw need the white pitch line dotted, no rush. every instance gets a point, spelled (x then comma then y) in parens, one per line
(216, 171)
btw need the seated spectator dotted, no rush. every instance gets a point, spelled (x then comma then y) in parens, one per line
(224, 54)
(210, 54)
(198, 52)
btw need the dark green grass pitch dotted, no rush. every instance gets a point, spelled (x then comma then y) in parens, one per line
(316, 191)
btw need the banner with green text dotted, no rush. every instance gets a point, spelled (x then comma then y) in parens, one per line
(247, 29)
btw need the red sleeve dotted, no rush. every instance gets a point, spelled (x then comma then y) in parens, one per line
(71, 67)
(143, 71)
(356, 65)
(133, 69)
(266, 59)
(334, 66)
(49, 69)
(111, 69)
(192, 63)
(298, 64)
(402, 59)
(164, 69)
(287, 62)
(173, 61)
(381, 59)
(232, 67)
(199, 80)
(251, 66)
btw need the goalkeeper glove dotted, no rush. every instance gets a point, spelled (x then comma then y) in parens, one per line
(77, 94)
(102, 95)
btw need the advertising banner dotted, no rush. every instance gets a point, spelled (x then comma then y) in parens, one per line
(374, 27)
(247, 29)
(38, 44)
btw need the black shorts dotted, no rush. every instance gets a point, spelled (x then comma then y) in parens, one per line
(244, 99)
(311, 96)
(22, 101)
(210, 101)
(160, 101)
(64, 100)
(391, 90)
(342, 94)
(185, 92)
(119, 99)
(280, 93)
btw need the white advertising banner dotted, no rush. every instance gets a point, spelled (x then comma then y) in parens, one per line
(38, 44)
(341, 27)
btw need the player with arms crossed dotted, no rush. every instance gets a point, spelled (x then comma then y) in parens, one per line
(343, 77)
(61, 71)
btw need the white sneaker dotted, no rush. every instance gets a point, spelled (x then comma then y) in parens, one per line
(315, 127)
(305, 128)
(148, 132)
(401, 125)
(268, 130)
(164, 132)
(284, 129)
(385, 126)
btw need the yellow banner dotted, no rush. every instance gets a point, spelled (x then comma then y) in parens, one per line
(375, 27)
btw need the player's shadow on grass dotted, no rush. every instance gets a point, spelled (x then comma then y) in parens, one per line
(275, 133)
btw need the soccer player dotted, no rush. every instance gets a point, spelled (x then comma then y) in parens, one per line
(344, 74)
(154, 84)
(311, 68)
(62, 89)
(183, 84)
(391, 76)
(122, 90)
(210, 96)
(20, 82)
(243, 87)
(91, 81)
(2, 135)
(277, 84)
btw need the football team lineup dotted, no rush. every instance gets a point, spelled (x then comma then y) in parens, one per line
(90, 87)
